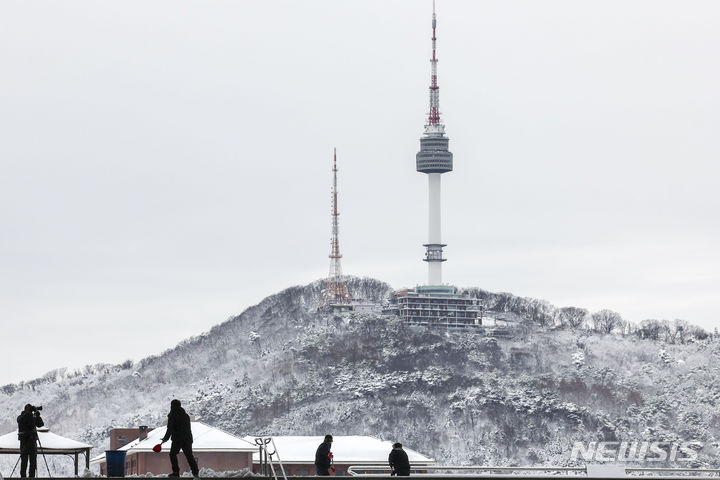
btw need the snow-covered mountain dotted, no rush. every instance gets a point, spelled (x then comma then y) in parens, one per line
(460, 397)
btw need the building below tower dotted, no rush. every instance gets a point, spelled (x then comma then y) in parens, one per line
(436, 306)
(336, 308)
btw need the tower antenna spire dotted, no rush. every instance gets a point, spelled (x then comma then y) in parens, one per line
(336, 295)
(433, 123)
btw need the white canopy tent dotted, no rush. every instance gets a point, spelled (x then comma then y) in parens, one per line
(49, 444)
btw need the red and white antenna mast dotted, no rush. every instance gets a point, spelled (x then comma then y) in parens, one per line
(434, 115)
(336, 291)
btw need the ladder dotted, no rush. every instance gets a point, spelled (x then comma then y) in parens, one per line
(268, 457)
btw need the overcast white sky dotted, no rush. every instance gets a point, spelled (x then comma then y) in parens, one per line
(166, 164)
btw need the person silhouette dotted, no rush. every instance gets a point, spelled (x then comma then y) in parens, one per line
(180, 431)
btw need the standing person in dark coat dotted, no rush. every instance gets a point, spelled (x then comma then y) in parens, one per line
(28, 421)
(323, 457)
(399, 463)
(178, 429)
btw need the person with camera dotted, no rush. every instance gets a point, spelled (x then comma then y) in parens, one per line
(28, 421)
(179, 430)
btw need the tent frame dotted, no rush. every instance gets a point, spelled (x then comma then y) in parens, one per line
(71, 452)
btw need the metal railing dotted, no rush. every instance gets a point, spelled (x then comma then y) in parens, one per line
(706, 472)
(425, 470)
(536, 472)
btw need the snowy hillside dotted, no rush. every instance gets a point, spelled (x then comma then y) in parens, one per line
(461, 398)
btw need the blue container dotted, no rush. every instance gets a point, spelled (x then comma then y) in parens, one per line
(115, 461)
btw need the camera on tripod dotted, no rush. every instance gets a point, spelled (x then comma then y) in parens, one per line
(35, 410)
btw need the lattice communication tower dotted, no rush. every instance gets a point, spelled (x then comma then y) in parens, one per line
(336, 292)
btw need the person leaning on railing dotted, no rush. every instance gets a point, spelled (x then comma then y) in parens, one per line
(398, 460)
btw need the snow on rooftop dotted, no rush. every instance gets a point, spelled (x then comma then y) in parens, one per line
(48, 440)
(205, 439)
(351, 449)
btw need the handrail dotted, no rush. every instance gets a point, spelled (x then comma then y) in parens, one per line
(352, 470)
(660, 469)
(517, 471)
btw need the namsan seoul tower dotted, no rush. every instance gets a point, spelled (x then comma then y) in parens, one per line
(435, 304)
(434, 159)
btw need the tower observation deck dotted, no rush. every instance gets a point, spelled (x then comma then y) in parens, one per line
(434, 159)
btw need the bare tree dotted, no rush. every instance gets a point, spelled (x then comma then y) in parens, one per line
(650, 329)
(628, 327)
(667, 332)
(573, 317)
(682, 330)
(698, 333)
(678, 331)
(605, 321)
(541, 312)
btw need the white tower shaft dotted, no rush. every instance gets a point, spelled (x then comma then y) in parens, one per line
(434, 226)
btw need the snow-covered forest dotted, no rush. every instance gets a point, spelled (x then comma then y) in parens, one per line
(560, 375)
